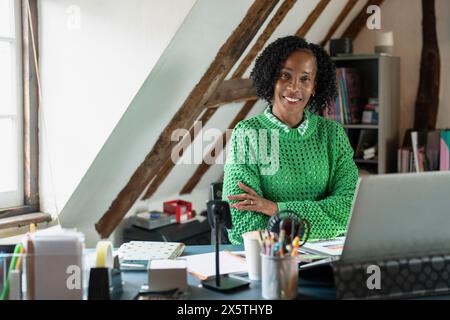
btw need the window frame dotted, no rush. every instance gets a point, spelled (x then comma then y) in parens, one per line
(30, 108)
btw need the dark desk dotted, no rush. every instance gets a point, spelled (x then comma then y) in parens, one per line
(134, 279)
(190, 233)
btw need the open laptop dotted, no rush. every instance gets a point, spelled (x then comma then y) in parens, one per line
(397, 215)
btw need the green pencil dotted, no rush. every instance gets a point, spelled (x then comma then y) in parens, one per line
(12, 266)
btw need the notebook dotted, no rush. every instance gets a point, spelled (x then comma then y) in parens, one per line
(331, 247)
(135, 255)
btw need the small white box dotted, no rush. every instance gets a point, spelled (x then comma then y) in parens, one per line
(167, 274)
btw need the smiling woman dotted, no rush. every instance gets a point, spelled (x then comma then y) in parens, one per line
(315, 175)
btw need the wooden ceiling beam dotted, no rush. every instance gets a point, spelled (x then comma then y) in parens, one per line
(359, 21)
(226, 57)
(279, 15)
(312, 18)
(337, 23)
(219, 145)
(169, 164)
(234, 90)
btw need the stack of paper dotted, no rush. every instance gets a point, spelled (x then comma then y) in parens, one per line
(203, 265)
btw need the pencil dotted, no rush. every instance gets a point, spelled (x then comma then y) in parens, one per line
(30, 269)
(12, 266)
(20, 258)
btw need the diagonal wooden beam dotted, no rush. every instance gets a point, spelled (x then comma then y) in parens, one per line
(337, 23)
(301, 32)
(427, 100)
(359, 21)
(219, 145)
(279, 15)
(234, 90)
(169, 164)
(226, 57)
(312, 17)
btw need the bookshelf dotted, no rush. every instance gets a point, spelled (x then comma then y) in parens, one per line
(379, 77)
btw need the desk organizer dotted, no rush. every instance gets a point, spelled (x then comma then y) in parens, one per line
(42, 277)
(399, 278)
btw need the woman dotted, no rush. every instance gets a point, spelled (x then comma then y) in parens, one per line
(289, 157)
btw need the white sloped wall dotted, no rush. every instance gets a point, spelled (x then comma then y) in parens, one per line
(180, 67)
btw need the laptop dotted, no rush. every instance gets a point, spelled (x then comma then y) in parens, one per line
(397, 216)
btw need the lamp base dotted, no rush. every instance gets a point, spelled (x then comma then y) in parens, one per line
(227, 284)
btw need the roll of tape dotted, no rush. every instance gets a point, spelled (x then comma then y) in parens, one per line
(104, 255)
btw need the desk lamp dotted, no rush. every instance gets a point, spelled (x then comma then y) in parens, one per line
(218, 213)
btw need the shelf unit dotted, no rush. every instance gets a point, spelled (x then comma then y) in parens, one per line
(380, 78)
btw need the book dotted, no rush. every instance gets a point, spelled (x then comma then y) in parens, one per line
(414, 144)
(418, 142)
(405, 159)
(367, 139)
(370, 152)
(152, 220)
(352, 90)
(135, 255)
(370, 114)
(331, 247)
(347, 107)
(444, 150)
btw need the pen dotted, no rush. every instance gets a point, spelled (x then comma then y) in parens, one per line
(276, 249)
(281, 241)
(295, 245)
(20, 258)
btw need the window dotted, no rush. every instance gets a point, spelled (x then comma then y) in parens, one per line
(19, 147)
(11, 136)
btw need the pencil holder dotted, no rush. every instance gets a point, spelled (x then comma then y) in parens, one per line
(279, 277)
(11, 270)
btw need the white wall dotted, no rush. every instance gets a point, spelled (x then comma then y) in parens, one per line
(407, 28)
(94, 57)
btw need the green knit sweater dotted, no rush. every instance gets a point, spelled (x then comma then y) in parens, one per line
(308, 169)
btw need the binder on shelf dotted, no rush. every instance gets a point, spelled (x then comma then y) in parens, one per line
(347, 108)
(424, 150)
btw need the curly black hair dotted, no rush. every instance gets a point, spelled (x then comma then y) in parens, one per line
(269, 63)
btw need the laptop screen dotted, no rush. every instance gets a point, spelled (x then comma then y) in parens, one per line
(399, 215)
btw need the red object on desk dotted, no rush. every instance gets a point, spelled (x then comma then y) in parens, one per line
(182, 209)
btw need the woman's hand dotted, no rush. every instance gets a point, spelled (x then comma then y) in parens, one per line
(251, 201)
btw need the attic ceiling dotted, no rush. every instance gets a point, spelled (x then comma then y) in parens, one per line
(119, 176)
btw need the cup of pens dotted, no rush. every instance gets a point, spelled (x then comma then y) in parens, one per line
(279, 266)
